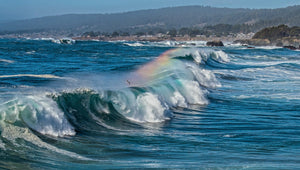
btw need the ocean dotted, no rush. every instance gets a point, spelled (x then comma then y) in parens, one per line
(166, 105)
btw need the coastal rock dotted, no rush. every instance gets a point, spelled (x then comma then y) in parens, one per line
(290, 43)
(66, 41)
(215, 43)
(290, 47)
(255, 42)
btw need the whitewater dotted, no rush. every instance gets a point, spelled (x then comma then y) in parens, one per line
(112, 105)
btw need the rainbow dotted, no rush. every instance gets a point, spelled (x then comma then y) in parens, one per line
(155, 67)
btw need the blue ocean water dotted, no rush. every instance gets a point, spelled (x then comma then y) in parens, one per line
(111, 105)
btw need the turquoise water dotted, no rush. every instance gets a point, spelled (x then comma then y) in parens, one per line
(96, 105)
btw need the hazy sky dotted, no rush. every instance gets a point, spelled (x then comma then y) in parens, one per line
(21, 9)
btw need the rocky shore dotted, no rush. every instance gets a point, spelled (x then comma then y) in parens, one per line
(282, 36)
(290, 43)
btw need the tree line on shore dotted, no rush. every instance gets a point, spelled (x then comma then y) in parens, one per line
(216, 30)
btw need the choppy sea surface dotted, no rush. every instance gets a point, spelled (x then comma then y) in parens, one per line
(112, 105)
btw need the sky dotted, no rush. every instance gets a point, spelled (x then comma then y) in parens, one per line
(25, 9)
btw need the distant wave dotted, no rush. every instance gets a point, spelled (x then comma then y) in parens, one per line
(32, 75)
(56, 41)
(168, 44)
(136, 44)
(269, 47)
(6, 61)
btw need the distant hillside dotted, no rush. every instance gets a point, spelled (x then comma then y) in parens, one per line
(166, 18)
(279, 32)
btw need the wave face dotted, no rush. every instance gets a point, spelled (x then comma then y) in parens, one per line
(148, 98)
(108, 104)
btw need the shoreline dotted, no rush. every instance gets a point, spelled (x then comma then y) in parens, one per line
(150, 38)
(244, 40)
(161, 38)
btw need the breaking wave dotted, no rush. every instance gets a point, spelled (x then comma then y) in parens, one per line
(180, 82)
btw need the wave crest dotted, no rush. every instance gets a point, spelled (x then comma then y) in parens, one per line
(38, 113)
